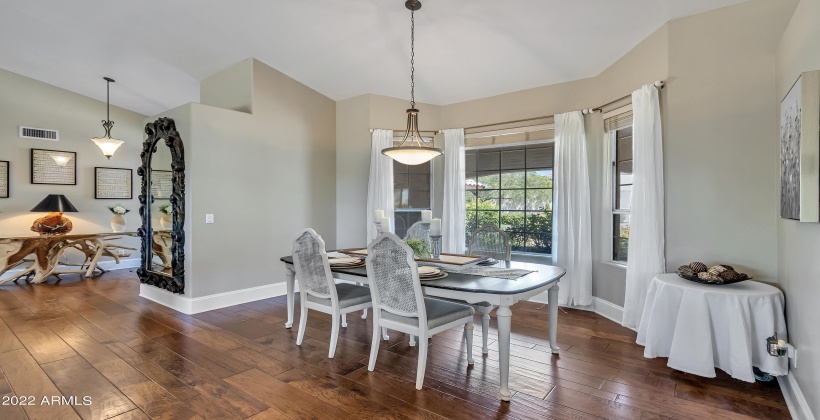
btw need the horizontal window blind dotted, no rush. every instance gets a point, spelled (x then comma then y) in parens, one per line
(618, 118)
(519, 135)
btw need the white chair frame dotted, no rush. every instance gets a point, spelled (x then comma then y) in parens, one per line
(486, 309)
(339, 315)
(421, 313)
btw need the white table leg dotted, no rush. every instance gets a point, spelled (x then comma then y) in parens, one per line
(552, 312)
(503, 317)
(290, 279)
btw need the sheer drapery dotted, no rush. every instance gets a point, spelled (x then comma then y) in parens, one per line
(572, 230)
(454, 215)
(380, 184)
(646, 233)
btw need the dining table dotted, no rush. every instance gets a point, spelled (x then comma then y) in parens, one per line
(473, 289)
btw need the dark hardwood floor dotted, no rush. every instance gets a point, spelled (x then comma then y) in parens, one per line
(136, 359)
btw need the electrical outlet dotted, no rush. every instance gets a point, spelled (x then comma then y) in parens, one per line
(209, 218)
(121, 252)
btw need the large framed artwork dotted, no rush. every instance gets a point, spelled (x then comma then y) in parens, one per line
(4, 179)
(800, 150)
(54, 167)
(112, 183)
(161, 184)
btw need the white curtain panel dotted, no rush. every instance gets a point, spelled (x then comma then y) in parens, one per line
(453, 217)
(646, 232)
(380, 184)
(571, 222)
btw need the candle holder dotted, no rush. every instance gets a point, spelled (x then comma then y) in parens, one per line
(435, 246)
(426, 235)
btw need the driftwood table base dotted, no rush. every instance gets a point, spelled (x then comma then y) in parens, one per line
(47, 250)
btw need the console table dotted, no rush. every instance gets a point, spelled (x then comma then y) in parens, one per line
(46, 251)
(703, 326)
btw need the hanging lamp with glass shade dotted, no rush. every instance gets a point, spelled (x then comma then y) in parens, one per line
(107, 144)
(413, 150)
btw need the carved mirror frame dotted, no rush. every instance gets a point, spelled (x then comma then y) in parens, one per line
(163, 129)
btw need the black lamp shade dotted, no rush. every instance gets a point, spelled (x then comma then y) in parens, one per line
(54, 203)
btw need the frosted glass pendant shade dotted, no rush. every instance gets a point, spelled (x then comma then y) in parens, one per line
(107, 145)
(412, 155)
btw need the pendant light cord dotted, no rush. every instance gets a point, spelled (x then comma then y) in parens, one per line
(412, 59)
(108, 100)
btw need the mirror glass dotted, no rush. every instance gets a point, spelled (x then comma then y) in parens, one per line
(161, 213)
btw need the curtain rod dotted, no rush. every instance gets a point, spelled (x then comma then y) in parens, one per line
(658, 84)
(404, 129)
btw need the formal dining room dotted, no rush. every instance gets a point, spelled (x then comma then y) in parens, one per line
(410, 209)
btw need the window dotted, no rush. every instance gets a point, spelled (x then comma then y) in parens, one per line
(411, 194)
(511, 187)
(622, 176)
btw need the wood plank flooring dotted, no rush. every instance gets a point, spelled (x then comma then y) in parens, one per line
(136, 359)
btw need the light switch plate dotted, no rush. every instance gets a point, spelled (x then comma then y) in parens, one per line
(209, 218)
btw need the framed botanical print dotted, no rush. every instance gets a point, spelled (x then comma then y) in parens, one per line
(113, 183)
(4, 179)
(54, 167)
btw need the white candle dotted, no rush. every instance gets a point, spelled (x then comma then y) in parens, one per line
(435, 227)
(378, 214)
(385, 223)
(426, 215)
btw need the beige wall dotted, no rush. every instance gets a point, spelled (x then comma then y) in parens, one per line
(31, 103)
(798, 243)
(264, 176)
(721, 149)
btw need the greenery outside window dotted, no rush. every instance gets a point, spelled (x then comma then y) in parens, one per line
(511, 187)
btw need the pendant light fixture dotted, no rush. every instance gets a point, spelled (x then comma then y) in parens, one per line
(417, 151)
(107, 144)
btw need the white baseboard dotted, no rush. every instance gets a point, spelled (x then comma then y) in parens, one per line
(601, 307)
(192, 306)
(798, 406)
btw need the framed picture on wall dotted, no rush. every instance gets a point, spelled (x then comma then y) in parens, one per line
(161, 184)
(800, 150)
(4, 179)
(113, 183)
(54, 167)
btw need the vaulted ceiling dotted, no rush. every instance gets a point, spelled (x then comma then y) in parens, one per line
(158, 51)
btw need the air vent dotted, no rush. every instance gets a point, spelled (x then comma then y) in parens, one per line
(39, 133)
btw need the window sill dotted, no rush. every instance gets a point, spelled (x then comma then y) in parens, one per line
(616, 264)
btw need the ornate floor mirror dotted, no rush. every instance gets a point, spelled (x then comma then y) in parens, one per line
(162, 207)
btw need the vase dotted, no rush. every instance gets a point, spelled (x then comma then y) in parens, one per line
(118, 223)
(166, 222)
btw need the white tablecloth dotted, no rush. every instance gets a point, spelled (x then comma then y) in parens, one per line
(701, 326)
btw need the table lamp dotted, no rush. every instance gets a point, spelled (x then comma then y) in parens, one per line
(53, 223)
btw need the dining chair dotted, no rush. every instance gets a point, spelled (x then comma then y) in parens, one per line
(415, 231)
(319, 291)
(398, 302)
(488, 241)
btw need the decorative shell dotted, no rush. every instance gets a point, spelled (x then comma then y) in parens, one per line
(698, 267)
(731, 275)
(728, 267)
(711, 278)
(685, 271)
(716, 270)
